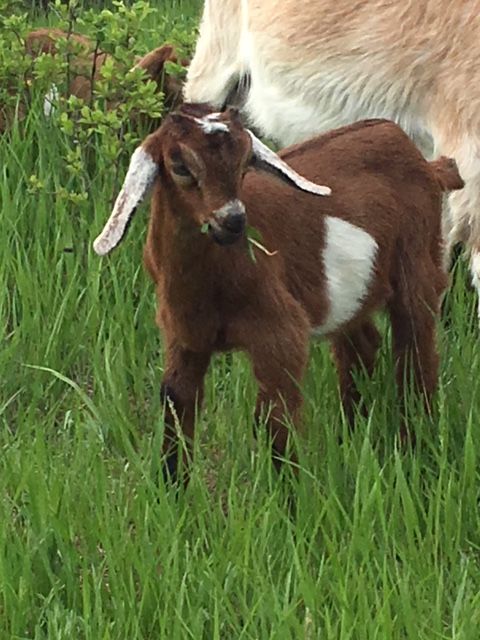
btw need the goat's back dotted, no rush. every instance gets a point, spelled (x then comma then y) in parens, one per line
(380, 183)
(379, 180)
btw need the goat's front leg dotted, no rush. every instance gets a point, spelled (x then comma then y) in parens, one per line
(181, 393)
(279, 359)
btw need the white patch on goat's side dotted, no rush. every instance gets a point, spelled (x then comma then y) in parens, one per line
(141, 174)
(50, 100)
(209, 124)
(348, 258)
(265, 154)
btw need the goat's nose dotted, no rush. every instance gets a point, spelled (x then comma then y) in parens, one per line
(234, 221)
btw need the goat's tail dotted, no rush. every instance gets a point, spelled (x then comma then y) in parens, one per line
(446, 172)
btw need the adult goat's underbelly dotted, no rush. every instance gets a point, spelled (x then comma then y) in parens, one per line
(293, 104)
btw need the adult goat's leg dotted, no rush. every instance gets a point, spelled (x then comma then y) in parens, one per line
(182, 393)
(461, 218)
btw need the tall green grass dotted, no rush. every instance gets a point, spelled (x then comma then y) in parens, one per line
(366, 543)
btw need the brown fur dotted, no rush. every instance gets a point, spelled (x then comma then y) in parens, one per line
(215, 298)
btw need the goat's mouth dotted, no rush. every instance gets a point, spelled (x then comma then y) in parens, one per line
(222, 235)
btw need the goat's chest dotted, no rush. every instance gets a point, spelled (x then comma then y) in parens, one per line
(349, 257)
(189, 315)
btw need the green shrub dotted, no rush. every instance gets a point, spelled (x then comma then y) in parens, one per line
(123, 104)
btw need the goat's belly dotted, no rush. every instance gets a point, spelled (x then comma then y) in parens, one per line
(349, 266)
(292, 104)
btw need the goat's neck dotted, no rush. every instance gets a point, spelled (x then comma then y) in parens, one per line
(188, 259)
(188, 265)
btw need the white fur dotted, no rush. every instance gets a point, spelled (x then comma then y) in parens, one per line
(475, 269)
(210, 126)
(50, 100)
(215, 74)
(349, 258)
(140, 177)
(293, 104)
(224, 211)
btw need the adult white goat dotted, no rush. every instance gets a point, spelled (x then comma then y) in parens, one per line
(316, 64)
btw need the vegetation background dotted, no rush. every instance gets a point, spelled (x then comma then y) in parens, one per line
(366, 543)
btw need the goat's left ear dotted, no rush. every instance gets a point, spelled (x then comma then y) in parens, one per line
(140, 177)
(154, 61)
(267, 160)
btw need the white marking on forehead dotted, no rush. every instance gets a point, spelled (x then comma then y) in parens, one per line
(210, 124)
(141, 174)
(228, 206)
(349, 258)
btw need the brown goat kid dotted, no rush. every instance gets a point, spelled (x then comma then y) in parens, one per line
(374, 242)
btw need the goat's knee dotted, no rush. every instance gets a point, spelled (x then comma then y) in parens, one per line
(179, 406)
(276, 409)
(179, 417)
(279, 371)
(181, 394)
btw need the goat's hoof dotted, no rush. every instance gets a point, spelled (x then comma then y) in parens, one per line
(173, 476)
(407, 438)
(170, 469)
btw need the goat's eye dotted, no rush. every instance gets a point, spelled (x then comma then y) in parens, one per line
(179, 169)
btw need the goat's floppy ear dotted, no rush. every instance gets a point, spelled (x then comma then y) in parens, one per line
(267, 160)
(154, 61)
(140, 177)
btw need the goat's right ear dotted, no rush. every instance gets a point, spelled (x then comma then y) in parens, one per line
(140, 177)
(267, 160)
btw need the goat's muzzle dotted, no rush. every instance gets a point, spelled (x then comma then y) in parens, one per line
(228, 223)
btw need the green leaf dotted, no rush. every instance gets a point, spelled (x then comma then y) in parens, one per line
(254, 234)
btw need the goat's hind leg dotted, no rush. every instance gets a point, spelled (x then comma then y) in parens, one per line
(355, 351)
(413, 313)
(181, 393)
